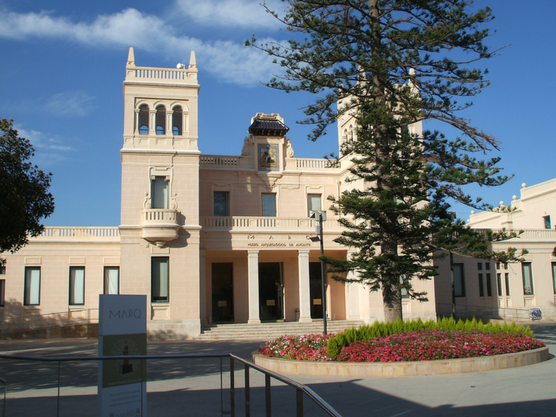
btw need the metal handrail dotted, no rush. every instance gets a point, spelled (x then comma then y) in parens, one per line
(5, 383)
(479, 310)
(300, 388)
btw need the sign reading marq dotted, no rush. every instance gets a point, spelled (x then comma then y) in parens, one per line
(125, 314)
(122, 383)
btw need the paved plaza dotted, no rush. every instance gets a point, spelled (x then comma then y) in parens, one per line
(191, 388)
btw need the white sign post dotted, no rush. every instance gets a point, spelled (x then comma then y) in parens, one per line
(122, 383)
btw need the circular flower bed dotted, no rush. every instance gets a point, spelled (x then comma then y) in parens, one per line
(424, 345)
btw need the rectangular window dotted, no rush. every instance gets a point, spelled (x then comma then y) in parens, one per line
(487, 266)
(159, 192)
(221, 203)
(499, 284)
(405, 293)
(2, 292)
(269, 205)
(547, 223)
(481, 286)
(32, 291)
(160, 279)
(459, 281)
(480, 266)
(507, 282)
(489, 285)
(527, 278)
(314, 202)
(77, 285)
(2, 269)
(554, 276)
(111, 280)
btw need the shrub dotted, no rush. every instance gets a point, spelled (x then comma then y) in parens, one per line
(367, 333)
(426, 345)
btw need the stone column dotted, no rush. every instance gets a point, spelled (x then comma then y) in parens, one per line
(203, 288)
(253, 286)
(169, 123)
(304, 286)
(152, 121)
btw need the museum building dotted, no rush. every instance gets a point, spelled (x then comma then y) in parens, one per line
(231, 239)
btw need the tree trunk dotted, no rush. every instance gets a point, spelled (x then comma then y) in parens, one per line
(392, 299)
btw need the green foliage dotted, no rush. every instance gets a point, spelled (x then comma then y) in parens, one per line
(378, 329)
(390, 65)
(25, 197)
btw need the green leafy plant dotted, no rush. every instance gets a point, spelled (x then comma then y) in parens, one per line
(378, 329)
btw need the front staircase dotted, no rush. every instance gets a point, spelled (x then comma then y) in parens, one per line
(268, 331)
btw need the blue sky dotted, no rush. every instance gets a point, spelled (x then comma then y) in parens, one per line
(64, 63)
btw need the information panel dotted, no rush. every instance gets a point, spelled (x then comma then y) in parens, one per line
(122, 383)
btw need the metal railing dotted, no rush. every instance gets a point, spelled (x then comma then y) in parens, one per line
(486, 312)
(5, 384)
(300, 389)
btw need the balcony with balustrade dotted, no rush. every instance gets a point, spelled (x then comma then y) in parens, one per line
(159, 226)
(291, 164)
(262, 224)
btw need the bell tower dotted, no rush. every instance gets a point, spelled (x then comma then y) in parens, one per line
(159, 228)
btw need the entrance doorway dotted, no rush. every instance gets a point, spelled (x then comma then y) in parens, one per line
(271, 291)
(315, 283)
(223, 292)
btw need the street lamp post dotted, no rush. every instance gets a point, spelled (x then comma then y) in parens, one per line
(320, 216)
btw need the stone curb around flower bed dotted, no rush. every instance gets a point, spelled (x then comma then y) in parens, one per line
(396, 369)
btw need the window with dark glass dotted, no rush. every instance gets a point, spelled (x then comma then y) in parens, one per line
(161, 120)
(77, 285)
(269, 205)
(554, 276)
(481, 286)
(221, 203)
(489, 285)
(527, 272)
(159, 192)
(547, 223)
(459, 280)
(177, 121)
(32, 289)
(499, 283)
(2, 292)
(160, 279)
(144, 120)
(507, 282)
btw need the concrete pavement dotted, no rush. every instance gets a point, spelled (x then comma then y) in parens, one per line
(191, 388)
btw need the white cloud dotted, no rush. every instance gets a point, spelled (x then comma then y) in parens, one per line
(231, 13)
(48, 150)
(226, 60)
(69, 104)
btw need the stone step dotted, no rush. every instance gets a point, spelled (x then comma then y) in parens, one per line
(265, 331)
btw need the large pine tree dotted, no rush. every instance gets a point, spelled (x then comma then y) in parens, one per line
(393, 64)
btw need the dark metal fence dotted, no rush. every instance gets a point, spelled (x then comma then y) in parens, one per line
(228, 402)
